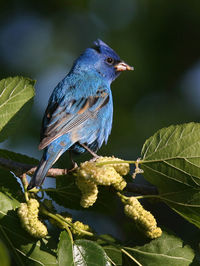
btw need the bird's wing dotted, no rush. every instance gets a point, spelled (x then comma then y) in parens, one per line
(63, 118)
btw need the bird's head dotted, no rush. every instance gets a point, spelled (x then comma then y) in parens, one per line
(101, 58)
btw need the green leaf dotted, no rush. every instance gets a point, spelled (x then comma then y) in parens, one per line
(4, 257)
(114, 254)
(109, 245)
(65, 250)
(14, 162)
(15, 125)
(165, 250)
(89, 253)
(14, 93)
(10, 192)
(66, 192)
(17, 157)
(81, 253)
(171, 161)
(24, 249)
(68, 195)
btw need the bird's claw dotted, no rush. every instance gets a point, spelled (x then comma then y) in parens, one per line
(74, 166)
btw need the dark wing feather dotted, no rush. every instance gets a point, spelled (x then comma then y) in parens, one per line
(62, 119)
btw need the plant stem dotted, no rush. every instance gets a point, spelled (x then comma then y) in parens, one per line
(72, 226)
(121, 196)
(130, 256)
(118, 162)
(25, 184)
(161, 198)
(62, 221)
(118, 247)
(65, 223)
(147, 196)
(53, 216)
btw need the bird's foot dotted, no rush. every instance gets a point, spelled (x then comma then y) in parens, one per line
(95, 158)
(89, 150)
(74, 166)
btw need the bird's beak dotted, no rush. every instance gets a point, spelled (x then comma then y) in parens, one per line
(122, 66)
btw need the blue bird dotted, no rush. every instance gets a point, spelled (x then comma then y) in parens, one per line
(80, 110)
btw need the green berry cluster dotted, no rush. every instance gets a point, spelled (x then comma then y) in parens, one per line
(144, 219)
(79, 228)
(28, 214)
(64, 217)
(89, 191)
(90, 175)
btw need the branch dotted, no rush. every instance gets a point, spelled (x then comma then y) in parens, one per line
(22, 168)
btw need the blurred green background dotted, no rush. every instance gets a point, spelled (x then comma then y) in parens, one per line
(161, 39)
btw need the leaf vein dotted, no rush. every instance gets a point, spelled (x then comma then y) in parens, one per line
(174, 142)
(9, 99)
(167, 176)
(160, 254)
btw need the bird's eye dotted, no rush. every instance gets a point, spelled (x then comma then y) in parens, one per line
(109, 60)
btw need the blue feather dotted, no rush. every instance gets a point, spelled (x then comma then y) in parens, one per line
(80, 109)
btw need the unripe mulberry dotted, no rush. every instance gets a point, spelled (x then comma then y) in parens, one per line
(90, 175)
(28, 214)
(144, 219)
(80, 226)
(121, 168)
(64, 216)
(89, 191)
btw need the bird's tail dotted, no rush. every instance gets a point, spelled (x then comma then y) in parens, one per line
(42, 169)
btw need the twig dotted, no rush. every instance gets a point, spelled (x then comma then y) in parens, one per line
(56, 218)
(130, 256)
(25, 184)
(137, 169)
(21, 168)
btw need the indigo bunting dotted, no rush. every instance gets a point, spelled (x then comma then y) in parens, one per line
(80, 110)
